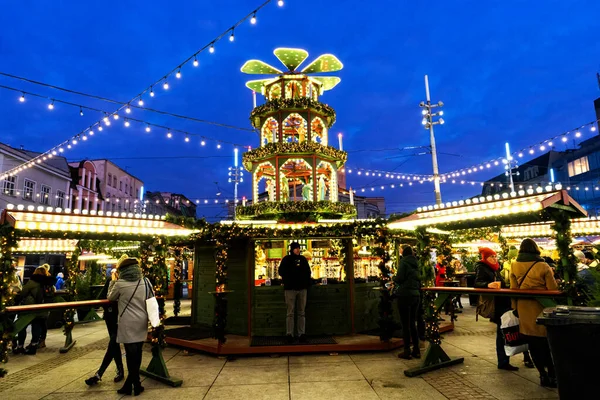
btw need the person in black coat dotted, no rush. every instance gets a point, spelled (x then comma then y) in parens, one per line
(113, 351)
(407, 290)
(295, 273)
(488, 277)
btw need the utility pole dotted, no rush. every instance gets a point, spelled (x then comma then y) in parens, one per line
(510, 164)
(236, 177)
(428, 123)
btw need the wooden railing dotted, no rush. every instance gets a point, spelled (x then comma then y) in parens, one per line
(156, 369)
(435, 357)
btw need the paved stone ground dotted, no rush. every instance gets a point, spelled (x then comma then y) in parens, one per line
(49, 375)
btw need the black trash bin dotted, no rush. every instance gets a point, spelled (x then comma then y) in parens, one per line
(574, 338)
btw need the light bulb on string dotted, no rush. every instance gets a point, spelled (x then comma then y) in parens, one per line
(127, 123)
(61, 150)
(166, 84)
(81, 111)
(116, 116)
(593, 128)
(151, 92)
(140, 102)
(218, 145)
(51, 105)
(202, 143)
(577, 134)
(196, 63)
(564, 139)
(128, 109)
(147, 128)
(178, 74)
(187, 138)
(91, 132)
(253, 19)
(84, 138)
(280, 3)
(22, 98)
(211, 49)
(231, 37)
(100, 128)
(169, 135)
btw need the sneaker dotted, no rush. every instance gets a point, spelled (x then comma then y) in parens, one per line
(509, 367)
(93, 380)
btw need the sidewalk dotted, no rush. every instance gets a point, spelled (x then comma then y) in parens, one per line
(50, 375)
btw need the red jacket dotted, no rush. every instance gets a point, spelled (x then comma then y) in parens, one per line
(440, 275)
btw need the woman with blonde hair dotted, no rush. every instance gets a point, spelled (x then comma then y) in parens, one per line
(130, 289)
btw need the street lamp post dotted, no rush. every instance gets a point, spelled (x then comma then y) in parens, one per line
(511, 163)
(428, 123)
(236, 176)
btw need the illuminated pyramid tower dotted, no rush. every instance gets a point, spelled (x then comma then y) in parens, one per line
(294, 161)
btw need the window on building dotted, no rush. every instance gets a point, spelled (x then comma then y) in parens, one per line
(9, 186)
(29, 189)
(45, 194)
(121, 186)
(126, 189)
(115, 182)
(137, 193)
(85, 179)
(60, 199)
(531, 172)
(579, 166)
(109, 180)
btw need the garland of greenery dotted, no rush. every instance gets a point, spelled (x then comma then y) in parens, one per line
(387, 325)
(293, 148)
(8, 242)
(568, 263)
(424, 255)
(302, 103)
(177, 276)
(296, 211)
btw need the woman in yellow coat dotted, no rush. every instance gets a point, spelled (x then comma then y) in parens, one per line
(531, 272)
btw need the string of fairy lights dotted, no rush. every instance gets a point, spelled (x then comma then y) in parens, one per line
(174, 74)
(541, 147)
(127, 122)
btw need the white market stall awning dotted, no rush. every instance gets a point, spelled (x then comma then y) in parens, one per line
(67, 224)
(491, 211)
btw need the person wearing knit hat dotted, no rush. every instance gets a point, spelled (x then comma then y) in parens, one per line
(130, 289)
(295, 273)
(489, 277)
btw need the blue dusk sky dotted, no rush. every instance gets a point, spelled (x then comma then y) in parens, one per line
(516, 71)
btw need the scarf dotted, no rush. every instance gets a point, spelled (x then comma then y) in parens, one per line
(494, 267)
(527, 257)
(130, 273)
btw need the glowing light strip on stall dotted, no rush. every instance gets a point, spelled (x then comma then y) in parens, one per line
(97, 223)
(472, 209)
(579, 226)
(46, 245)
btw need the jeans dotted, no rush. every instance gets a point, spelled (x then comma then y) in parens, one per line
(295, 300)
(503, 359)
(407, 307)
(113, 351)
(540, 353)
(133, 352)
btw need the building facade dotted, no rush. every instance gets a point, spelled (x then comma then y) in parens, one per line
(47, 184)
(122, 191)
(162, 203)
(85, 192)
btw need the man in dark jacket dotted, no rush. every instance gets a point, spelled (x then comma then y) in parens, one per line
(408, 285)
(295, 272)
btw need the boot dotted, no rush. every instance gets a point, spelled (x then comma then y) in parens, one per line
(31, 349)
(120, 375)
(93, 380)
(126, 389)
(406, 355)
(137, 389)
(416, 353)
(18, 350)
(42, 344)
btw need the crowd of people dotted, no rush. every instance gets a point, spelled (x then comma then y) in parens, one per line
(126, 318)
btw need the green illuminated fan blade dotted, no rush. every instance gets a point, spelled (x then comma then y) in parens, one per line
(259, 67)
(328, 82)
(291, 58)
(257, 85)
(325, 63)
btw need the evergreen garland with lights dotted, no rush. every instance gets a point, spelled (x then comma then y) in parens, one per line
(8, 242)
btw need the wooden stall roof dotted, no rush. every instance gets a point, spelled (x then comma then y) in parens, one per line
(492, 211)
(95, 225)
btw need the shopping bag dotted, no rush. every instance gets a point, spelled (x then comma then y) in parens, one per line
(514, 341)
(152, 306)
